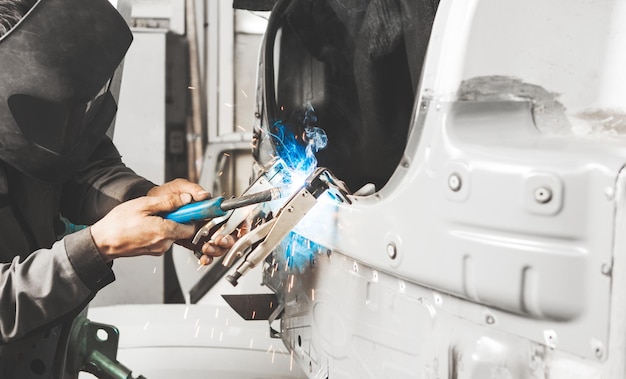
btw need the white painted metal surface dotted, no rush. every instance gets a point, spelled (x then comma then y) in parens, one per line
(496, 249)
(194, 342)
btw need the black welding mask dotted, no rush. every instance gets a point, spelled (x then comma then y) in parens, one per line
(55, 68)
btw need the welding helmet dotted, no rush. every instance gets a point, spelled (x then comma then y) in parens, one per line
(55, 68)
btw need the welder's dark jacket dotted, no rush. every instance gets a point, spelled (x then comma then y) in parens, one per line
(45, 283)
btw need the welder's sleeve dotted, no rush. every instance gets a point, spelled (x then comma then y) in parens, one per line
(50, 286)
(103, 183)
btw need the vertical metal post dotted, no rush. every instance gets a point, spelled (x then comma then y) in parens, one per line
(194, 121)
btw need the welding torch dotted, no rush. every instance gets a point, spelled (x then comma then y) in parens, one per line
(218, 206)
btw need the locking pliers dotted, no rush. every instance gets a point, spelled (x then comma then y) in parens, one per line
(272, 232)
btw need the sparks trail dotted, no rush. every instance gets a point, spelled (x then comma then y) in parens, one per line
(298, 150)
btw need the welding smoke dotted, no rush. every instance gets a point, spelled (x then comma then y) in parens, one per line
(314, 136)
(298, 151)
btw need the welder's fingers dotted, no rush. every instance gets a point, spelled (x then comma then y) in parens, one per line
(221, 243)
(180, 186)
(219, 246)
(205, 260)
(133, 228)
(164, 203)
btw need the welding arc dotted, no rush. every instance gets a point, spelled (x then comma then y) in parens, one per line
(254, 198)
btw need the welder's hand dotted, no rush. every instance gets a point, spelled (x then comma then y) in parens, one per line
(180, 186)
(216, 248)
(221, 244)
(210, 249)
(135, 228)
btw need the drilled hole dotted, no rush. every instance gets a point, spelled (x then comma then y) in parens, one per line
(102, 335)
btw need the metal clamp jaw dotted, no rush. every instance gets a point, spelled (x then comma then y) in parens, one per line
(271, 233)
(270, 177)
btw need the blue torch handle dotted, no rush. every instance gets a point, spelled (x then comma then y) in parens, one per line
(201, 210)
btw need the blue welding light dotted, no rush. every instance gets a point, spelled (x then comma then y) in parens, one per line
(298, 153)
(298, 251)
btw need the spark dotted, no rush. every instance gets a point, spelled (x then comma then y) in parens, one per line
(146, 326)
(271, 304)
(282, 107)
(226, 155)
(242, 128)
(186, 312)
(291, 281)
(244, 93)
(253, 314)
(154, 271)
(251, 341)
(227, 321)
(217, 312)
(313, 294)
(273, 354)
(212, 331)
(221, 335)
(197, 323)
(199, 265)
(220, 173)
(269, 348)
(191, 87)
(291, 362)
(197, 332)
(228, 105)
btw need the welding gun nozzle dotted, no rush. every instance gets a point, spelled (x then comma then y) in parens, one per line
(254, 198)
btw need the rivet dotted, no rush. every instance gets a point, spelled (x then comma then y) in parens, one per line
(392, 251)
(543, 195)
(454, 182)
(597, 348)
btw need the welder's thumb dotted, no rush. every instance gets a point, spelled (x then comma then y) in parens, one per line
(167, 203)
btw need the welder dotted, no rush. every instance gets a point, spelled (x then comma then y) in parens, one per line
(57, 58)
